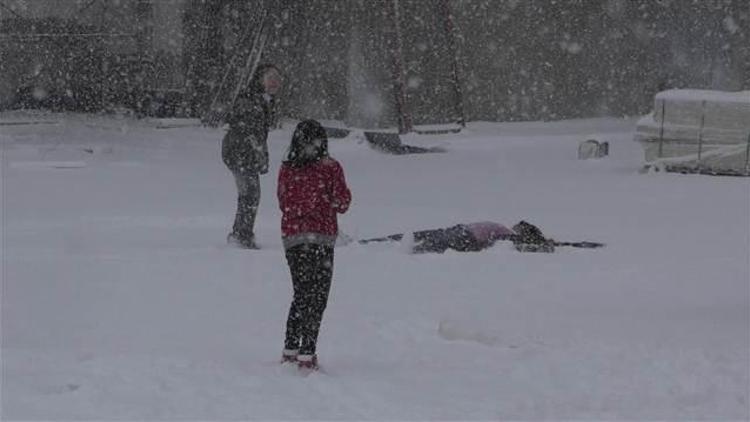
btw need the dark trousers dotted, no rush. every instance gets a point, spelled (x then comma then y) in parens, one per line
(456, 237)
(311, 266)
(248, 198)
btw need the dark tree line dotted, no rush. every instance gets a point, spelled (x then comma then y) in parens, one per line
(516, 60)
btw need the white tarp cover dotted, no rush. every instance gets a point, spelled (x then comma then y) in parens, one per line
(699, 129)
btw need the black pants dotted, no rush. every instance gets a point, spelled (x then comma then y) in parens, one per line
(456, 237)
(248, 198)
(311, 266)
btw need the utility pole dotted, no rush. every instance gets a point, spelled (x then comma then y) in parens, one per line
(399, 84)
(450, 36)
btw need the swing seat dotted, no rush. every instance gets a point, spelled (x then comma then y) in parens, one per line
(390, 143)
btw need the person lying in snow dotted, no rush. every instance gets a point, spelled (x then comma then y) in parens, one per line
(473, 237)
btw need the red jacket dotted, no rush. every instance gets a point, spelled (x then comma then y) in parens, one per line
(310, 197)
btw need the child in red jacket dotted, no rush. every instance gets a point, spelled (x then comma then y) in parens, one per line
(311, 191)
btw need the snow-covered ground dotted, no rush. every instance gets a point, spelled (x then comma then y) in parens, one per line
(121, 300)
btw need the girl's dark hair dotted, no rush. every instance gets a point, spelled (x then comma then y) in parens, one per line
(256, 82)
(303, 149)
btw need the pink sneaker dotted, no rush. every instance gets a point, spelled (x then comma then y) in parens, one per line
(308, 362)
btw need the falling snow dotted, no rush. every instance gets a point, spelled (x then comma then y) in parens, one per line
(122, 300)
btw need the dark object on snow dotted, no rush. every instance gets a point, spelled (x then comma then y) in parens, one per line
(475, 237)
(471, 237)
(437, 131)
(682, 169)
(391, 143)
(335, 132)
(455, 237)
(529, 238)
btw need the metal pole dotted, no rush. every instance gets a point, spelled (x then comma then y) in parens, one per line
(661, 129)
(103, 70)
(450, 33)
(404, 119)
(700, 131)
(106, 81)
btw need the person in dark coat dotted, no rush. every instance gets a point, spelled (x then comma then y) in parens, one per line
(470, 237)
(244, 148)
(312, 191)
(474, 237)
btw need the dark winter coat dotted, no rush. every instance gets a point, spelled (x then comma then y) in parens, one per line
(245, 146)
